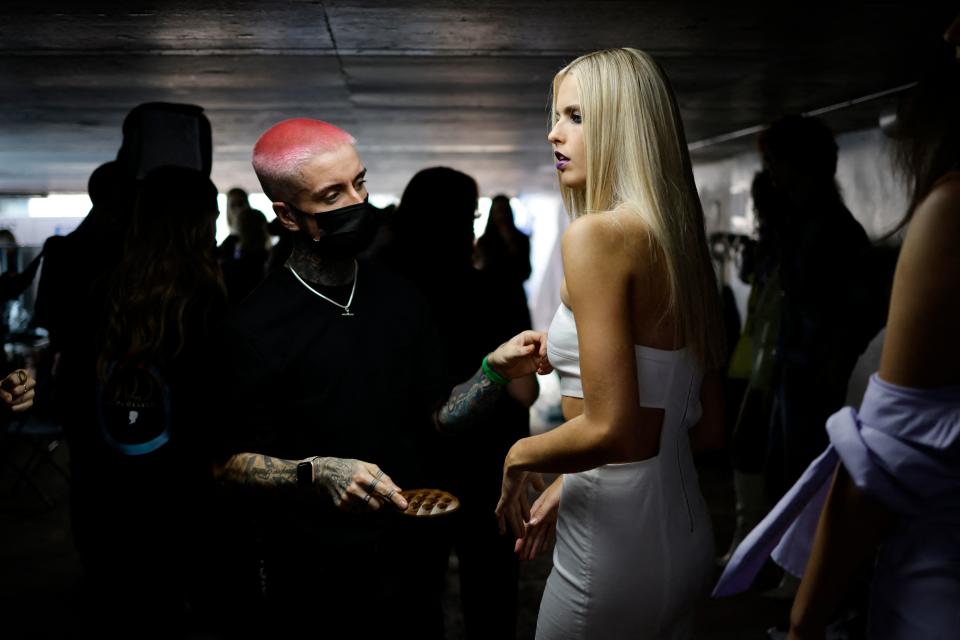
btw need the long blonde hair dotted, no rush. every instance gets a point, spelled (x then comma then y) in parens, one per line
(636, 157)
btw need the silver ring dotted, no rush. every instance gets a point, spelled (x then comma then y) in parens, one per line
(366, 498)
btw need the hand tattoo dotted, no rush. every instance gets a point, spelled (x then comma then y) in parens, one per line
(337, 474)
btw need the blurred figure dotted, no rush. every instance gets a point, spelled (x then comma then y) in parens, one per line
(724, 249)
(384, 242)
(245, 268)
(826, 323)
(237, 202)
(155, 134)
(503, 249)
(282, 246)
(757, 349)
(13, 282)
(73, 263)
(475, 311)
(10, 249)
(137, 392)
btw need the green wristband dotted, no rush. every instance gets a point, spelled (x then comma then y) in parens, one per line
(492, 375)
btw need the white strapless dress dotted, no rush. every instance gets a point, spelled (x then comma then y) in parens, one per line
(634, 546)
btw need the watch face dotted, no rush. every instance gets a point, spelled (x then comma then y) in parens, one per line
(304, 474)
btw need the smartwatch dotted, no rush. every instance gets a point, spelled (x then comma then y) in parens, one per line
(305, 474)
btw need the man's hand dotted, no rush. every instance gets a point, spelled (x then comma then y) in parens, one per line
(521, 355)
(356, 485)
(16, 391)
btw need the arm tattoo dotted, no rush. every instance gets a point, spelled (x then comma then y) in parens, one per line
(468, 403)
(256, 470)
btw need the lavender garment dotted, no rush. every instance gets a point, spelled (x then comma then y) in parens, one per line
(903, 448)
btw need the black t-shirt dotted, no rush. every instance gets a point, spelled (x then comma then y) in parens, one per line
(824, 275)
(151, 505)
(304, 380)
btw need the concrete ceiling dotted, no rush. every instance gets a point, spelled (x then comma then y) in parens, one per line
(423, 83)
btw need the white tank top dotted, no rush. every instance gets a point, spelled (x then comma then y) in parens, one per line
(657, 369)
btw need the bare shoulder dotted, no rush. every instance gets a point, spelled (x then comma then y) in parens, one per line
(590, 234)
(595, 260)
(933, 237)
(921, 348)
(612, 234)
(938, 216)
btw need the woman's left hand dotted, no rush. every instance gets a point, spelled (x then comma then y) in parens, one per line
(521, 355)
(513, 508)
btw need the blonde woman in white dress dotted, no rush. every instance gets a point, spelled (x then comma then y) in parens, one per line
(636, 342)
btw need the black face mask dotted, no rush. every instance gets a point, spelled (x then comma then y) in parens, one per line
(347, 231)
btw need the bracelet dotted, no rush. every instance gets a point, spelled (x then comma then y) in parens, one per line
(492, 375)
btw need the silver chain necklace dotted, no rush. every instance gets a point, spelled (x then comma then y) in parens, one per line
(345, 307)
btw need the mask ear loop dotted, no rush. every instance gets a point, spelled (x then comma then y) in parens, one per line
(300, 217)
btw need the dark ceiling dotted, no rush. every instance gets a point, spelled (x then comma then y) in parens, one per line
(424, 83)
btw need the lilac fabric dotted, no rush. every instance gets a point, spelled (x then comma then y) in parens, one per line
(903, 448)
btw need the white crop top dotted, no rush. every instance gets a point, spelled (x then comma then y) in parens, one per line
(657, 369)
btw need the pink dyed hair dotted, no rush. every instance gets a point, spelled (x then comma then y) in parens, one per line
(285, 146)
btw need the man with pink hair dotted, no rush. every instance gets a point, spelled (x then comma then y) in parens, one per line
(332, 363)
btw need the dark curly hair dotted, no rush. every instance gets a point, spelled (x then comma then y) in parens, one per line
(168, 270)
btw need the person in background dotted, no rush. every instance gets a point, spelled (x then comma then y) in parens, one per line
(825, 324)
(759, 339)
(237, 202)
(474, 311)
(245, 269)
(13, 283)
(503, 250)
(138, 392)
(72, 265)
